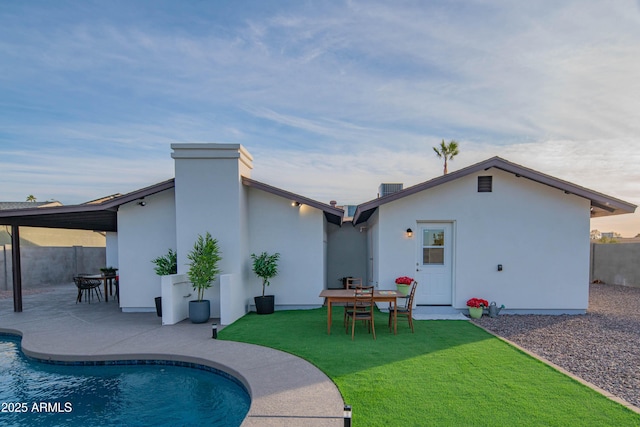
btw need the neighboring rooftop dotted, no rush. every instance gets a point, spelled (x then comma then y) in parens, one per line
(28, 205)
(103, 199)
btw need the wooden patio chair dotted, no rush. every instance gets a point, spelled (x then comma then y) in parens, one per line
(363, 309)
(351, 283)
(407, 310)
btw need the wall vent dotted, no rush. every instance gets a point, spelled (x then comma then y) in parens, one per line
(485, 184)
(386, 189)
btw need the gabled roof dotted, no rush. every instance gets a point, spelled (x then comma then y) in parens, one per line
(332, 214)
(601, 204)
(101, 214)
(93, 216)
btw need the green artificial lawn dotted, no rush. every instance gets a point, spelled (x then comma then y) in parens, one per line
(447, 373)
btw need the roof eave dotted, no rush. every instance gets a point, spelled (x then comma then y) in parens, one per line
(601, 204)
(332, 214)
(65, 216)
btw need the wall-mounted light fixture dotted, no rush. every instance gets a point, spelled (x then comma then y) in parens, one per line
(295, 204)
(409, 232)
(142, 203)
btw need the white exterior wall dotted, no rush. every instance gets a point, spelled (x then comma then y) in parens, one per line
(111, 246)
(210, 198)
(539, 234)
(144, 233)
(373, 251)
(297, 233)
(346, 253)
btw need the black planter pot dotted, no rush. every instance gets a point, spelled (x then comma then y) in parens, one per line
(265, 304)
(199, 311)
(159, 306)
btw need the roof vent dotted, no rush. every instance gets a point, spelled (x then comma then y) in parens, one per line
(485, 184)
(333, 203)
(388, 188)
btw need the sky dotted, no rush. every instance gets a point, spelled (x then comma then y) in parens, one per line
(331, 98)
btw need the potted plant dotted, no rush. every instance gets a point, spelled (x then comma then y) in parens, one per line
(203, 269)
(265, 266)
(476, 306)
(165, 265)
(108, 271)
(403, 284)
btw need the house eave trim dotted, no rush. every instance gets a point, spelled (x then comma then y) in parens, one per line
(332, 214)
(608, 205)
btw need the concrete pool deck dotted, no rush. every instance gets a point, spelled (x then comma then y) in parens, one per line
(285, 390)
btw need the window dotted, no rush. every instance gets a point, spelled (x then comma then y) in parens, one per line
(485, 184)
(433, 247)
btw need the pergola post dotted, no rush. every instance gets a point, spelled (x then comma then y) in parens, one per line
(17, 269)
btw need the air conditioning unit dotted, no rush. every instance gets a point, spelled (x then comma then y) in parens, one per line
(389, 188)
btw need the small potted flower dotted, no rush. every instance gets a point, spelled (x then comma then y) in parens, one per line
(476, 306)
(403, 284)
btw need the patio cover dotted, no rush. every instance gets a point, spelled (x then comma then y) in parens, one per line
(102, 215)
(96, 216)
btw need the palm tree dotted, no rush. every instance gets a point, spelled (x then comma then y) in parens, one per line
(448, 151)
(31, 198)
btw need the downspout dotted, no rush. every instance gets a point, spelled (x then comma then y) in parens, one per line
(5, 283)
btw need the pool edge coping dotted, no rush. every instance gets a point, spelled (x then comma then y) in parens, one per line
(254, 416)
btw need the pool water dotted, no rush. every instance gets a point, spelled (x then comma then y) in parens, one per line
(34, 393)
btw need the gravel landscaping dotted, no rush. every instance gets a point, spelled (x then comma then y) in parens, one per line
(601, 347)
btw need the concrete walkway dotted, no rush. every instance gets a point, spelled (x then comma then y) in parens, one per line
(285, 390)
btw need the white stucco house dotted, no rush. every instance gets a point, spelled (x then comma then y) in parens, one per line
(494, 230)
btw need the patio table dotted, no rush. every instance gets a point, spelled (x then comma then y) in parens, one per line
(106, 279)
(346, 295)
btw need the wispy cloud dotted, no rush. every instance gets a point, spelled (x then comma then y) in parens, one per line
(332, 98)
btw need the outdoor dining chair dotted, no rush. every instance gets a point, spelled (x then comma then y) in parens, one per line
(86, 286)
(407, 310)
(351, 283)
(362, 310)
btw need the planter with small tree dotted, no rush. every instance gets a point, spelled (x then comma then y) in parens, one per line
(203, 269)
(265, 266)
(165, 265)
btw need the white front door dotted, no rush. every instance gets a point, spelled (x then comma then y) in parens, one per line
(434, 263)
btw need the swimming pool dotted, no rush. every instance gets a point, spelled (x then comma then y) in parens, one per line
(131, 393)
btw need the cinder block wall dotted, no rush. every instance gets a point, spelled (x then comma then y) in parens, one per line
(616, 264)
(42, 266)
